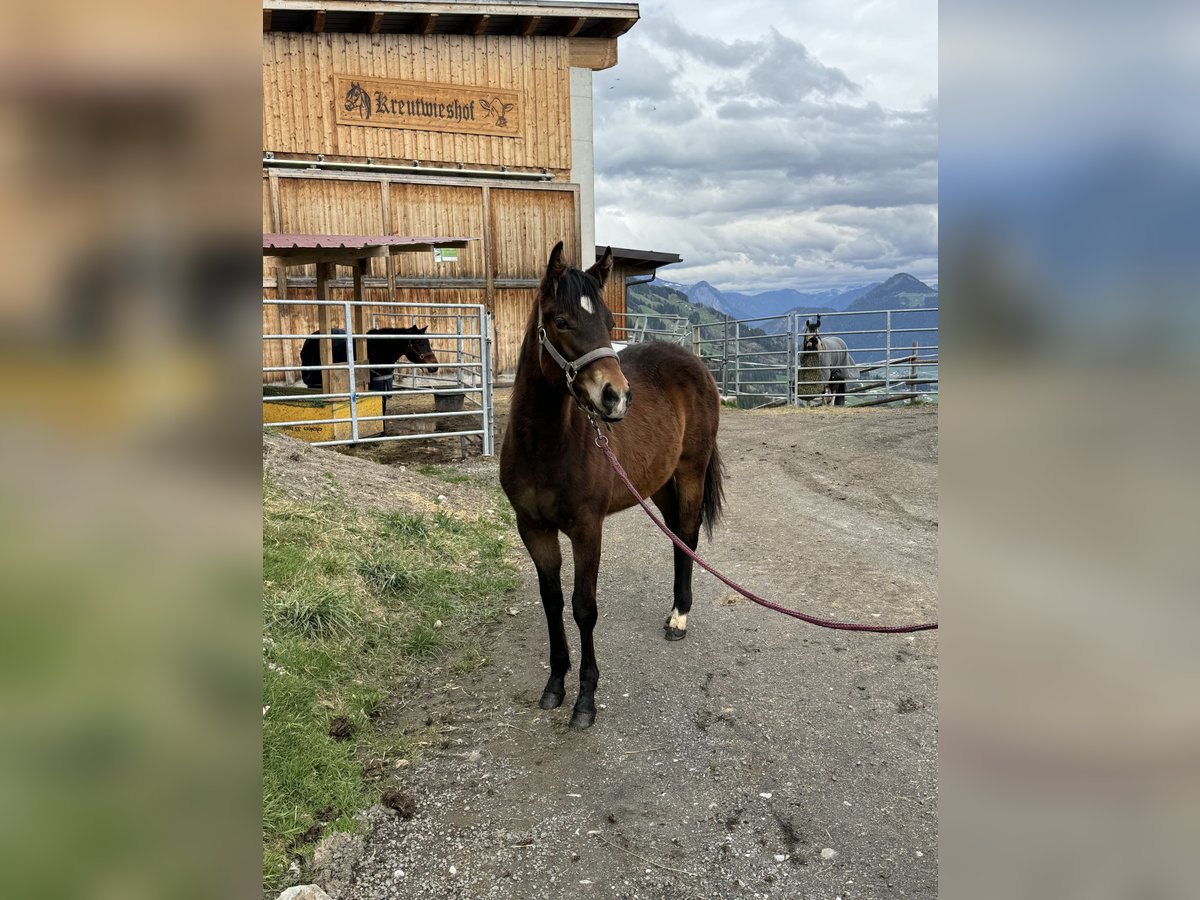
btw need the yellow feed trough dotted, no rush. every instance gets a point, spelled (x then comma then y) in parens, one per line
(300, 409)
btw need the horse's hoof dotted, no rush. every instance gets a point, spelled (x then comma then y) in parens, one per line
(582, 719)
(551, 700)
(675, 634)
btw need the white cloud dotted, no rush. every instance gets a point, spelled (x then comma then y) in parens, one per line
(724, 136)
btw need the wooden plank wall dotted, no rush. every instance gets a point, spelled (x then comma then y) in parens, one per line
(614, 293)
(298, 95)
(520, 228)
(524, 234)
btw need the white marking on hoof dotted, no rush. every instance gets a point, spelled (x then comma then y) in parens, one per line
(586, 303)
(678, 620)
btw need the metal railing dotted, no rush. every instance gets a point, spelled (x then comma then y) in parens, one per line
(637, 328)
(760, 362)
(460, 391)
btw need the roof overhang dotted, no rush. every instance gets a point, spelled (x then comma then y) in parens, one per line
(640, 260)
(347, 249)
(591, 27)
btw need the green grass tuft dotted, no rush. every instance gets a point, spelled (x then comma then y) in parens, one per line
(351, 598)
(314, 611)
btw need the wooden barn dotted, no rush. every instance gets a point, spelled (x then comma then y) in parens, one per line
(389, 117)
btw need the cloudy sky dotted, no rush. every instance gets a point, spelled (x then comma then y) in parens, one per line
(771, 144)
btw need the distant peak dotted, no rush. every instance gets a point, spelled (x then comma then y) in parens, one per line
(904, 279)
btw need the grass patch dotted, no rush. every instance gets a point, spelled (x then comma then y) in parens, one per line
(350, 598)
(445, 474)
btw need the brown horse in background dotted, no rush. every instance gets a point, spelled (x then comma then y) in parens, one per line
(663, 406)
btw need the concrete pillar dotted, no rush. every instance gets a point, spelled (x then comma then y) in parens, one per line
(583, 167)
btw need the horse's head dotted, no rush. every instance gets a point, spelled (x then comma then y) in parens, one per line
(419, 350)
(812, 340)
(575, 332)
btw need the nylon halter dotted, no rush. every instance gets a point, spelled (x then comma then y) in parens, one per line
(571, 368)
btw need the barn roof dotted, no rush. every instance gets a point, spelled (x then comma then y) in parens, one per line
(522, 18)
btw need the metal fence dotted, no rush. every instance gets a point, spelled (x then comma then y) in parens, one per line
(359, 408)
(637, 328)
(759, 362)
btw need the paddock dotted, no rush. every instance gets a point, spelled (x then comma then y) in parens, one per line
(746, 751)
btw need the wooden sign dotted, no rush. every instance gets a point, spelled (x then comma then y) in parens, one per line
(424, 106)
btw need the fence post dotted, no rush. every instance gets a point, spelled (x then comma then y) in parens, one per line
(725, 358)
(696, 346)
(792, 374)
(485, 378)
(912, 385)
(459, 349)
(737, 360)
(887, 368)
(350, 366)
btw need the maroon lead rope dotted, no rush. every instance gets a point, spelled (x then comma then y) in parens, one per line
(602, 443)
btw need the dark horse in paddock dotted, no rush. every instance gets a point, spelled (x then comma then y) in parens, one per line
(825, 364)
(665, 408)
(382, 352)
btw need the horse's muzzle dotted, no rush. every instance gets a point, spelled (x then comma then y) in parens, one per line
(614, 404)
(429, 358)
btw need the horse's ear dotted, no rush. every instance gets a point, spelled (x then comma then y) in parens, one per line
(603, 267)
(421, 329)
(818, 320)
(556, 267)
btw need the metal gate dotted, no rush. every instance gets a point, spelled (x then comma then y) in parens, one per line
(757, 362)
(361, 404)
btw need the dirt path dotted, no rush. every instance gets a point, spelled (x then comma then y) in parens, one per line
(760, 757)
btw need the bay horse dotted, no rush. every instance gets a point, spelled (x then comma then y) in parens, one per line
(383, 352)
(663, 409)
(825, 366)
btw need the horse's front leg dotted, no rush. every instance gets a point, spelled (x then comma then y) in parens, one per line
(542, 544)
(585, 545)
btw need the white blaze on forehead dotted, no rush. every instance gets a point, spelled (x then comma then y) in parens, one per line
(586, 302)
(678, 620)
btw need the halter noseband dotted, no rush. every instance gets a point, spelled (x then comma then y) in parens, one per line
(572, 369)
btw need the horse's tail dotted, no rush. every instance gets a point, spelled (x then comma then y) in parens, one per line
(714, 492)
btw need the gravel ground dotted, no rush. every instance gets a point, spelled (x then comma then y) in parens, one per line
(760, 757)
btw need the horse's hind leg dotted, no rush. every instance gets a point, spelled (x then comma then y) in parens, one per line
(681, 500)
(542, 544)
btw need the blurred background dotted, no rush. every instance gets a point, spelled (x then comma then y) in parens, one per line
(130, 491)
(1069, 185)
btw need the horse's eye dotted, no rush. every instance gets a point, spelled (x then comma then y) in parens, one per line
(560, 323)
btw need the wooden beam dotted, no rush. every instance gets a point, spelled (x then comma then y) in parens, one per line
(476, 25)
(358, 315)
(427, 23)
(266, 20)
(324, 345)
(375, 23)
(318, 21)
(529, 26)
(572, 26)
(489, 270)
(617, 27)
(592, 53)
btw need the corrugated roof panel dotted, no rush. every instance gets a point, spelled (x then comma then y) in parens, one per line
(349, 241)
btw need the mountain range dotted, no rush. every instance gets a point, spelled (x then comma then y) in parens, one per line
(704, 305)
(901, 291)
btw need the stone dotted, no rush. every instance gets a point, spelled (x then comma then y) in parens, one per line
(304, 892)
